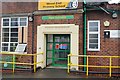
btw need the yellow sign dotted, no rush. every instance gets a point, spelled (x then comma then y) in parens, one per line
(57, 4)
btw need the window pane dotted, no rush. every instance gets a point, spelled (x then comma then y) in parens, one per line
(14, 34)
(49, 46)
(93, 23)
(5, 30)
(50, 38)
(4, 48)
(93, 28)
(93, 35)
(12, 49)
(14, 40)
(23, 23)
(5, 22)
(5, 35)
(93, 40)
(57, 39)
(5, 39)
(5, 44)
(14, 19)
(23, 19)
(49, 54)
(65, 39)
(93, 46)
(14, 23)
(14, 29)
(13, 44)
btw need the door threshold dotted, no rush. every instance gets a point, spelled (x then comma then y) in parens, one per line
(56, 67)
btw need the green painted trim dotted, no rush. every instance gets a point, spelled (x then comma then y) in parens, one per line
(84, 50)
(54, 50)
(53, 53)
(57, 17)
(46, 48)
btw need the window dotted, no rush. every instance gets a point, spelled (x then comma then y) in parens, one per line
(23, 21)
(6, 22)
(94, 35)
(14, 21)
(20, 48)
(9, 32)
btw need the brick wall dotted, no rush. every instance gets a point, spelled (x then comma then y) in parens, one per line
(38, 21)
(113, 6)
(18, 7)
(108, 47)
(77, 21)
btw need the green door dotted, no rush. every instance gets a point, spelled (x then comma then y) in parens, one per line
(57, 48)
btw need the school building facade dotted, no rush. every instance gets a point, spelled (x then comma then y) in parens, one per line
(80, 29)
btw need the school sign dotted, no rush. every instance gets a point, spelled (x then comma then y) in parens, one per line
(57, 4)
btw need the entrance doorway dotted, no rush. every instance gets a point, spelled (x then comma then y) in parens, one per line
(57, 49)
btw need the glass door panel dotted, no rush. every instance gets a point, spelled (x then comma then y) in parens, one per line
(57, 39)
(50, 38)
(61, 49)
(49, 46)
(49, 54)
(58, 47)
(49, 57)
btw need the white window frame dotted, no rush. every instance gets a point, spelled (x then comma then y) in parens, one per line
(10, 22)
(26, 21)
(98, 32)
(10, 28)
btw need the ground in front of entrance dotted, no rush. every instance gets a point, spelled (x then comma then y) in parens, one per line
(51, 73)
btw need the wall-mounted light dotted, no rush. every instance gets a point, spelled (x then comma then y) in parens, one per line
(114, 15)
(30, 18)
(106, 23)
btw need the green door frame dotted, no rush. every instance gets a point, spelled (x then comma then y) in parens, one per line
(53, 49)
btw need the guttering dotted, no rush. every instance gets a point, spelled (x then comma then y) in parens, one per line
(60, 11)
(84, 34)
(45, 12)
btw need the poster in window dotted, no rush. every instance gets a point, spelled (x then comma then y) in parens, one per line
(63, 46)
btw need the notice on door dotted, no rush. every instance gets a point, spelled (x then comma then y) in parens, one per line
(63, 46)
(57, 46)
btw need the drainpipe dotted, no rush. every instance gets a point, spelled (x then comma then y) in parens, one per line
(84, 34)
(32, 39)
